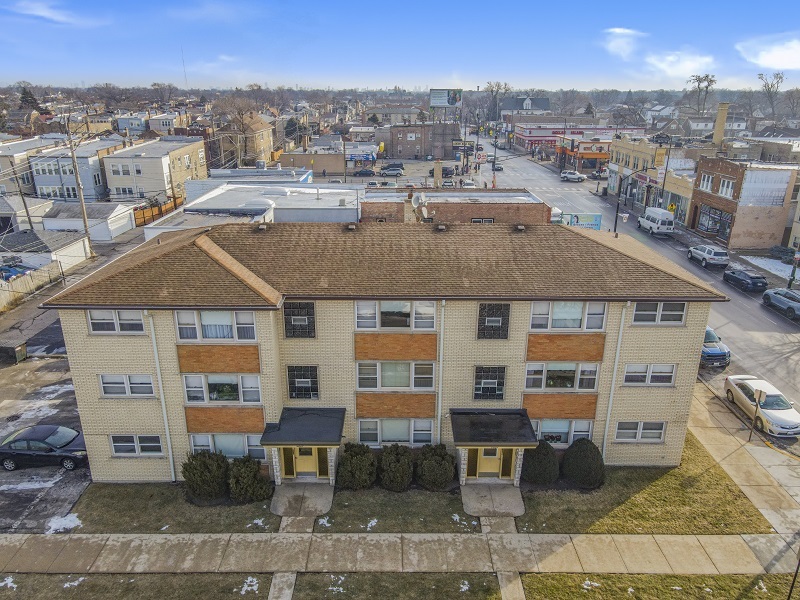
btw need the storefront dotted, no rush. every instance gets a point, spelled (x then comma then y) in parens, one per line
(715, 222)
(677, 205)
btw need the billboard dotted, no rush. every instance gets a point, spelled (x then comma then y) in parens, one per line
(461, 145)
(582, 220)
(447, 98)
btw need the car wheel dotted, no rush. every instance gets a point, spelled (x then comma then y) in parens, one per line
(651, 231)
(638, 225)
(9, 464)
(759, 424)
(689, 255)
(790, 313)
(68, 464)
(704, 263)
(729, 396)
(766, 300)
(744, 287)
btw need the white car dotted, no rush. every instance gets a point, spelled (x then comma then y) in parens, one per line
(469, 184)
(774, 414)
(372, 184)
(448, 183)
(709, 255)
(572, 176)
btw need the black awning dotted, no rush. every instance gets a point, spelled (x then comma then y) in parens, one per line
(306, 427)
(492, 427)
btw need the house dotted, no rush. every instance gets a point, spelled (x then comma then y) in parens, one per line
(37, 248)
(704, 126)
(14, 216)
(132, 123)
(54, 173)
(155, 170)
(247, 338)
(660, 111)
(744, 204)
(245, 142)
(14, 157)
(392, 115)
(106, 220)
(166, 123)
(524, 105)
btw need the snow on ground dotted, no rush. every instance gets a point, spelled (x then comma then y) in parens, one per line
(257, 523)
(587, 585)
(772, 265)
(371, 524)
(36, 484)
(464, 586)
(58, 524)
(8, 582)
(324, 521)
(336, 584)
(164, 528)
(250, 585)
(75, 583)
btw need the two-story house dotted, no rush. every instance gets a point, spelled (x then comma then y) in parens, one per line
(284, 340)
(131, 123)
(14, 159)
(166, 123)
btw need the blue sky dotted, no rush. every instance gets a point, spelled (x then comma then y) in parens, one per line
(319, 43)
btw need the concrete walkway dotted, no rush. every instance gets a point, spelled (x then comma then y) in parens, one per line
(407, 553)
(492, 500)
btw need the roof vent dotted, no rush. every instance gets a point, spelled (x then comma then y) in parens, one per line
(262, 227)
(519, 227)
(351, 226)
(441, 228)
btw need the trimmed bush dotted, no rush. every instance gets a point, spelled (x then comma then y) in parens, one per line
(205, 476)
(583, 464)
(357, 467)
(246, 482)
(540, 464)
(396, 468)
(435, 467)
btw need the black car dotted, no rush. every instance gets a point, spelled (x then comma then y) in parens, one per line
(446, 171)
(479, 147)
(43, 445)
(364, 173)
(746, 280)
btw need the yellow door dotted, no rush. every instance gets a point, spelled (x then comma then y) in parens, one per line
(306, 462)
(489, 462)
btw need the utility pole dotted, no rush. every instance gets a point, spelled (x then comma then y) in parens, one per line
(344, 155)
(21, 195)
(79, 185)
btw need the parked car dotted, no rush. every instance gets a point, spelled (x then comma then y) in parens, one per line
(656, 220)
(364, 173)
(572, 176)
(479, 147)
(392, 172)
(388, 184)
(43, 445)
(786, 300)
(393, 165)
(469, 184)
(714, 353)
(334, 181)
(448, 183)
(410, 186)
(746, 280)
(373, 184)
(496, 167)
(599, 174)
(446, 171)
(774, 414)
(709, 255)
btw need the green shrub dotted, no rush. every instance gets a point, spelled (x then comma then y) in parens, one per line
(583, 464)
(357, 467)
(246, 482)
(205, 476)
(396, 468)
(540, 464)
(435, 467)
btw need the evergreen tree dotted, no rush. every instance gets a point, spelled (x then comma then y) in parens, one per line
(28, 101)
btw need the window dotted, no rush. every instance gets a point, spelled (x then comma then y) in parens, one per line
(67, 169)
(126, 169)
(135, 445)
(303, 382)
(486, 221)
(187, 161)
(659, 313)
(561, 376)
(375, 432)
(123, 191)
(126, 385)
(26, 178)
(137, 169)
(114, 169)
(640, 431)
(98, 180)
(232, 445)
(726, 188)
(562, 431)
(298, 319)
(70, 191)
(489, 383)
(642, 374)
(201, 157)
(395, 314)
(116, 321)
(222, 388)
(216, 325)
(395, 375)
(590, 316)
(493, 321)
(706, 181)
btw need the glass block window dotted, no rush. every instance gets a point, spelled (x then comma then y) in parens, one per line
(298, 320)
(303, 382)
(489, 383)
(493, 321)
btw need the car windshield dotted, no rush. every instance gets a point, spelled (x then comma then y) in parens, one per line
(775, 402)
(711, 337)
(61, 437)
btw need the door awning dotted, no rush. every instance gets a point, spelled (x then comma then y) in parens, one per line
(492, 427)
(306, 427)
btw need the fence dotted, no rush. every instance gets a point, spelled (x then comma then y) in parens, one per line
(15, 291)
(145, 216)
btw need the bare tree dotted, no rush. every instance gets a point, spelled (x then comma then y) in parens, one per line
(497, 91)
(771, 87)
(109, 94)
(702, 85)
(747, 102)
(238, 109)
(604, 98)
(569, 101)
(792, 100)
(163, 91)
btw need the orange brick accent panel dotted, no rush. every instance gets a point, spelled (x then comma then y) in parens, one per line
(387, 405)
(395, 346)
(218, 358)
(566, 346)
(224, 419)
(560, 406)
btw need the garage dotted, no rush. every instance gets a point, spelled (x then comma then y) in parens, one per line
(106, 220)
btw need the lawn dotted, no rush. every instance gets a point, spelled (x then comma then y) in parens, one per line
(397, 586)
(697, 497)
(654, 587)
(135, 587)
(161, 508)
(379, 511)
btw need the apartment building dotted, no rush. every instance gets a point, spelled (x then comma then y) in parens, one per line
(284, 340)
(14, 157)
(155, 170)
(245, 141)
(166, 123)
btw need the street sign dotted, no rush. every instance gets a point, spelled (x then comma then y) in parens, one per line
(481, 157)
(671, 207)
(797, 255)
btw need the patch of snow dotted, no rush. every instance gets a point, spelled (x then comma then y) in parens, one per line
(250, 585)
(29, 485)
(708, 590)
(324, 521)
(371, 524)
(464, 586)
(75, 583)
(456, 518)
(760, 587)
(9, 583)
(257, 523)
(630, 591)
(336, 584)
(677, 588)
(773, 265)
(164, 528)
(587, 585)
(49, 392)
(58, 524)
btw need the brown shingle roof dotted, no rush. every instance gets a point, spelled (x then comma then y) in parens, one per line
(382, 260)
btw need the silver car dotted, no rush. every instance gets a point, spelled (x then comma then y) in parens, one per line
(786, 300)
(709, 255)
(572, 176)
(773, 413)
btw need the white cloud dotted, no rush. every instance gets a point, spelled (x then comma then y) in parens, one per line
(781, 51)
(680, 64)
(622, 42)
(49, 11)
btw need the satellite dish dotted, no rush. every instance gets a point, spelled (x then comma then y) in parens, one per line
(422, 199)
(424, 212)
(416, 200)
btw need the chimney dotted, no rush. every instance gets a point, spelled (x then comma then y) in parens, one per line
(719, 124)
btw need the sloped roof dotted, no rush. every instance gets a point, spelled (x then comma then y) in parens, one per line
(519, 103)
(36, 240)
(381, 260)
(94, 210)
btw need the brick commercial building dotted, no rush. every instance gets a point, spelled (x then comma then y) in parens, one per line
(284, 340)
(418, 140)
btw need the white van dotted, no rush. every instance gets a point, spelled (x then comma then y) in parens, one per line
(657, 220)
